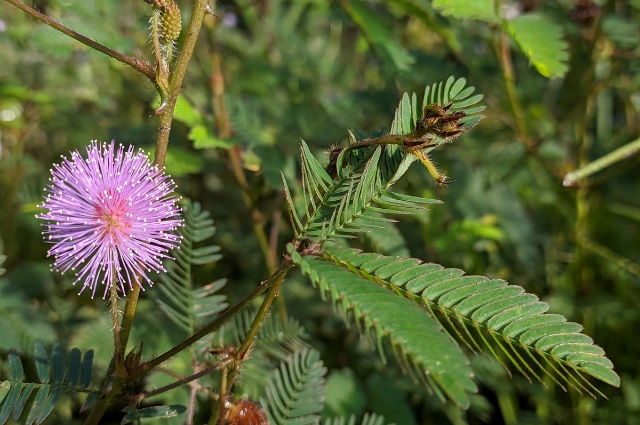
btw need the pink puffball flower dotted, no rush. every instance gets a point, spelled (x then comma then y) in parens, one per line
(110, 217)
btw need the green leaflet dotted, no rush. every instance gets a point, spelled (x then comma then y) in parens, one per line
(482, 10)
(54, 378)
(476, 307)
(436, 359)
(183, 304)
(295, 391)
(541, 41)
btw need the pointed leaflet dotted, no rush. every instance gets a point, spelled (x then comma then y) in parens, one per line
(404, 324)
(517, 322)
(295, 392)
(542, 42)
(183, 303)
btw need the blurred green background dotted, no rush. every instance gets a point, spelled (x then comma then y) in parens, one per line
(268, 73)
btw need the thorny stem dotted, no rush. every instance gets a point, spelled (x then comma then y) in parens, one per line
(221, 364)
(140, 66)
(230, 312)
(177, 77)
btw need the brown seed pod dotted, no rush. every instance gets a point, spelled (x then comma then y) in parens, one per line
(170, 21)
(245, 412)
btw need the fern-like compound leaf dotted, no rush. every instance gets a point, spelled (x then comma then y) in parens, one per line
(295, 392)
(541, 41)
(370, 165)
(413, 334)
(183, 303)
(55, 376)
(487, 314)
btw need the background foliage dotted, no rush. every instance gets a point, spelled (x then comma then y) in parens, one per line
(562, 85)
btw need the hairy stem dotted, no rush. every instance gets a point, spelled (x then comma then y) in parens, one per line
(221, 364)
(141, 66)
(223, 393)
(177, 77)
(115, 316)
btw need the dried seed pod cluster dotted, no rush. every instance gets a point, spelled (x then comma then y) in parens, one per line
(440, 121)
(436, 122)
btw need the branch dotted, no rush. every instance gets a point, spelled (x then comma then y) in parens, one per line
(177, 77)
(203, 372)
(619, 154)
(140, 66)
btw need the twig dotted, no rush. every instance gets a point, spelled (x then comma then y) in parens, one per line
(222, 363)
(140, 66)
(619, 154)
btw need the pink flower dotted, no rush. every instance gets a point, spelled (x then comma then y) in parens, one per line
(110, 217)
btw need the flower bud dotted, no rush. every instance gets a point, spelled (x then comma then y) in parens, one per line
(170, 21)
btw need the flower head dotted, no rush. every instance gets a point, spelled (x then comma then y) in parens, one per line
(110, 217)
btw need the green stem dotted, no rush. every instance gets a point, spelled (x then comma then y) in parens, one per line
(504, 54)
(177, 77)
(140, 66)
(255, 327)
(128, 315)
(115, 316)
(619, 154)
(223, 392)
(230, 312)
